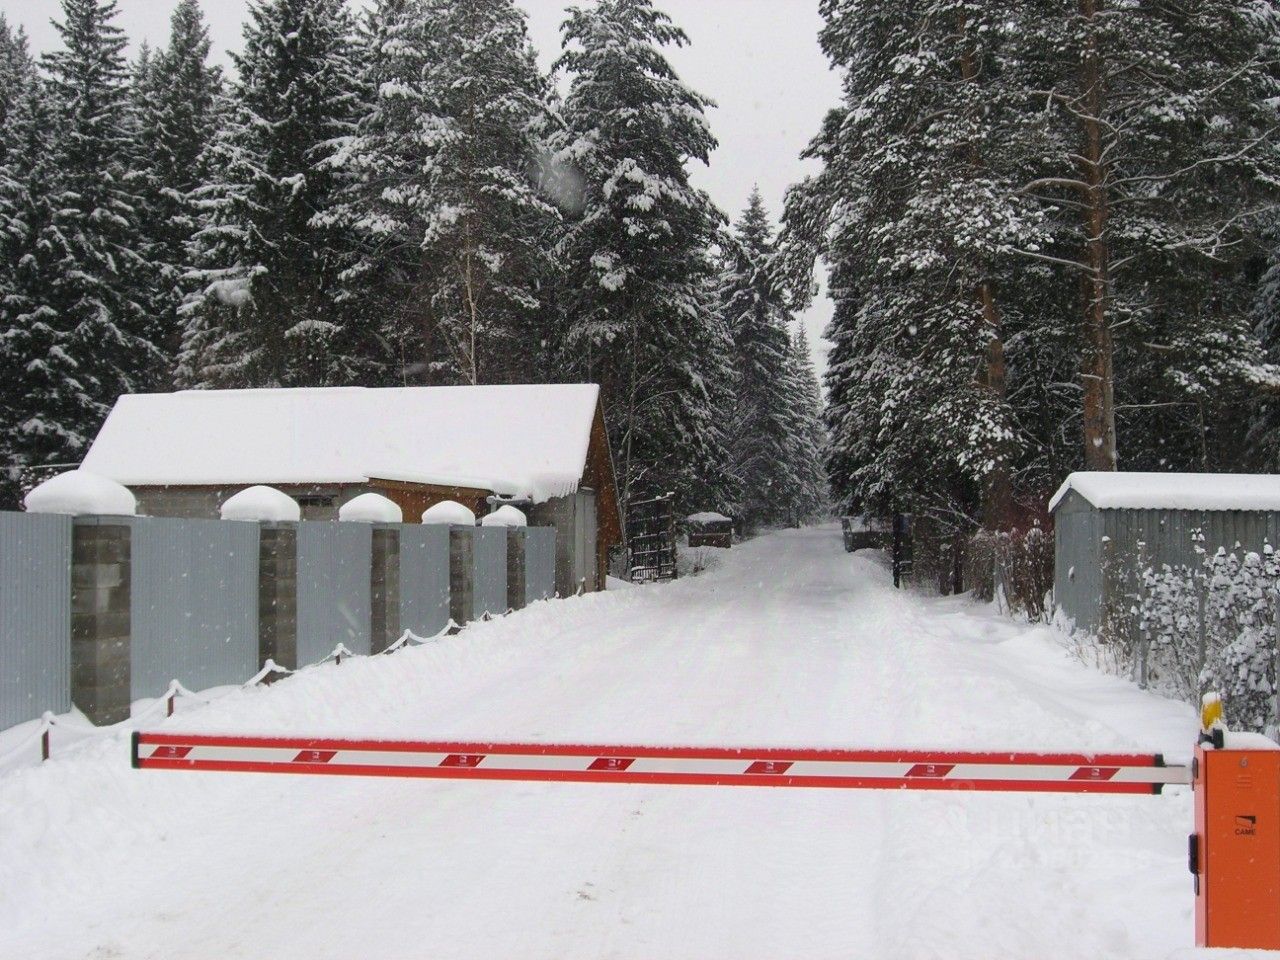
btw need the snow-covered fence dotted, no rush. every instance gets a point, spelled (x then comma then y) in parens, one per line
(103, 611)
(35, 616)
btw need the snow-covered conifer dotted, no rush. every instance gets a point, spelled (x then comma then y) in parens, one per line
(265, 310)
(762, 445)
(80, 331)
(175, 95)
(443, 187)
(637, 251)
(811, 499)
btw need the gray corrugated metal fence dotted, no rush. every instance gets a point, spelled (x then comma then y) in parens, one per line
(194, 603)
(35, 616)
(1077, 565)
(424, 578)
(490, 594)
(540, 563)
(333, 588)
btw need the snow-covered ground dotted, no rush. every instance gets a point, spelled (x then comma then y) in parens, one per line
(788, 642)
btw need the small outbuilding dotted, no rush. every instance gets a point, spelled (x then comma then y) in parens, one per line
(542, 448)
(709, 529)
(1109, 525)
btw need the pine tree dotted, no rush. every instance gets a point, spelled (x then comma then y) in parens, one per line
(175, 94)
(640, 321)
(266, 310)
(983, 162)
(915, 212)
(443, 174)
(1157, 129)
(78, 330)
(762, 447)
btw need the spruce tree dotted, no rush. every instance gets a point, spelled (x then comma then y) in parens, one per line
(637, 254)
(266, 310)
(176, 92)
(16, 70)
(763, 449)
(37, 373)
(81, 327)
(443, 187)
(811, 499)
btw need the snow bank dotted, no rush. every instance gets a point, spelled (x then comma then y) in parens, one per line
(98, 859)
(505, 516)
(371, 508)
(262, 503)
(707, 516)
(1173, 491)
(81, 492)
(449, 512)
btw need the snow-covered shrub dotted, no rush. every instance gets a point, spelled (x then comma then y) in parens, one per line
(1206, 626)
(1015, 566)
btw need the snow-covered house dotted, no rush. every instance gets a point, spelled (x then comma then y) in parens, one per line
(543, 448)
(1109, 525)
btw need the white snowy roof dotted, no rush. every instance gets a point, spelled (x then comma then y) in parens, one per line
(1174, 491)
(525, 441)
(707, 516)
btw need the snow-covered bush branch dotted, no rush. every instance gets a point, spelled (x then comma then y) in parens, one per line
(1206, 626)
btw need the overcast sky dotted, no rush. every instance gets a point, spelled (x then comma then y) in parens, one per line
(758, 59)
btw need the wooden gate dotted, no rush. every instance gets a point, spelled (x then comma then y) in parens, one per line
(651, 539)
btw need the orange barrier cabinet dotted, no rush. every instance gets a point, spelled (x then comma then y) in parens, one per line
(1235, 851)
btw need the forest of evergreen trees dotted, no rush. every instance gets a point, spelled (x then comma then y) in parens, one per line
(394, 195)
(1049, 230)
(1051, 235)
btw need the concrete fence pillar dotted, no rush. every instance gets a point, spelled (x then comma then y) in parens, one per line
(101, 549)
(462, 562)
(517, 568)
(384, 589)
(278, 594)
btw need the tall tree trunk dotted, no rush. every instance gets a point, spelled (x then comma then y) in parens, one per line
(997, 505)
(1096, 372)
(997, 494)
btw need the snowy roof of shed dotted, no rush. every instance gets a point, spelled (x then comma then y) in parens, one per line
(523, 441)
(1174, 491)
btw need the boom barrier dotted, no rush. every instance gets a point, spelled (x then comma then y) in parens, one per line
(1234, 854)
(673, 766)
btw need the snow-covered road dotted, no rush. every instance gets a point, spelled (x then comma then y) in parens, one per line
(790, 642)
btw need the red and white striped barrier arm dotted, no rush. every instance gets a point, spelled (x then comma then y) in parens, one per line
(850, 769)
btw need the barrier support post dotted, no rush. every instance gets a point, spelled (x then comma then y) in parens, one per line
(1235, 851)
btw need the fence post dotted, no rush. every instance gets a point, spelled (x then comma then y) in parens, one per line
(278, 594)
(516, 568)
(462, 564)
(384, 588)
(100, 617)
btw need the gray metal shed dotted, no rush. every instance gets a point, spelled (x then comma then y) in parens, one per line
(1116, 519)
